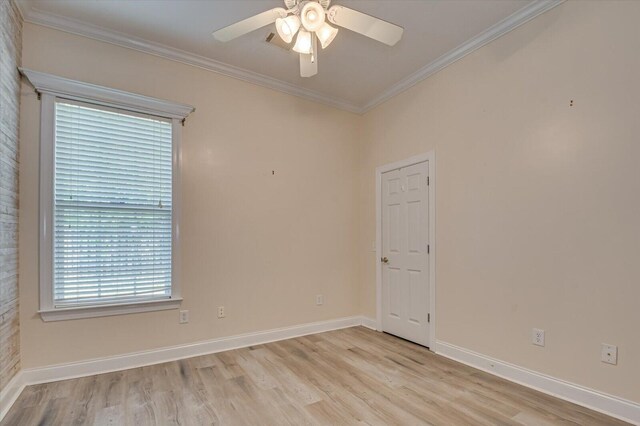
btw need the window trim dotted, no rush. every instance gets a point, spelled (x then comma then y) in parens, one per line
(50, 88)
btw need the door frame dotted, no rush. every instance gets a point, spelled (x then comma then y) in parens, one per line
(429, 157)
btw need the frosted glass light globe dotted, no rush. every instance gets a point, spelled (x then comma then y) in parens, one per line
(287, 27)
(303, 42)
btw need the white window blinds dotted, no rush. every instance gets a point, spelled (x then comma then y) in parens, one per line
(112, 206)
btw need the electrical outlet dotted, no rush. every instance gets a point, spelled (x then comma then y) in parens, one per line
(221, 312)
(537, 337)
(319, 299)
(184, 317)
(609, 354)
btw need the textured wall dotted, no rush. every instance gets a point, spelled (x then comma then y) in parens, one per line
(10, 50)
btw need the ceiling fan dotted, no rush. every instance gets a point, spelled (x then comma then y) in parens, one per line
(308, 19)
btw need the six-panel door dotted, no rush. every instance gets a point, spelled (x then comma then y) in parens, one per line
(405, 261)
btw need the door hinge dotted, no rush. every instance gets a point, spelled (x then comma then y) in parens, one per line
(428, 249)
(427, 180)
(428, 317)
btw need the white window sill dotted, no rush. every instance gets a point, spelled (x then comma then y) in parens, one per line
(62, 314)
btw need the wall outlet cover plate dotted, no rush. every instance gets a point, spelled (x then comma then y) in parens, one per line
(609, 354)
(537, 337)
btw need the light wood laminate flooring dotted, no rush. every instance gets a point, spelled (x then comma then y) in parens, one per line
(344, 377)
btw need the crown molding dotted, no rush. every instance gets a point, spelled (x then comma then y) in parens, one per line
(39, 17)
(19, 8)
(508, 24)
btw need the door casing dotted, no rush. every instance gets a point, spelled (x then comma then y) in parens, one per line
(430, 157)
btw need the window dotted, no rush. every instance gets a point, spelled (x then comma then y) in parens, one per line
(112, 206)
(109, 200)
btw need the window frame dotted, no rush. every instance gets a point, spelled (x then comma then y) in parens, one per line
(51, 89)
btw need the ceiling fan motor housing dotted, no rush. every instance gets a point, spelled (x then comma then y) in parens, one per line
(293, 3)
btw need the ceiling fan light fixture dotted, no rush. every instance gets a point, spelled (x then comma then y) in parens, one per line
(308, 21)
(287, 27)
(326, 34)
(303, 43)
(312, 16)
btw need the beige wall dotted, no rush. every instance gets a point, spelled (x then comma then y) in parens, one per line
(538, 203)
(262, 245)
(10, 39)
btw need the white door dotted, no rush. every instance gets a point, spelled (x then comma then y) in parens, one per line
(405, 253)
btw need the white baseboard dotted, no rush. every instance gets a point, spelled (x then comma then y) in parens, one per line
(51, 373)
(369, 323)
(172, 353)
(598, 401)
(10, 393)
(608, 404)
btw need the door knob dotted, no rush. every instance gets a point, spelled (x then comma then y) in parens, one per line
(385, 260)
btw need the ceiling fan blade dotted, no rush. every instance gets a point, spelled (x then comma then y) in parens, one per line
(308, 68)
(364, 24)
(250, 24)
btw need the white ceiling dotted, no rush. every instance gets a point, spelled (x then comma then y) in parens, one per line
(354, 72)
